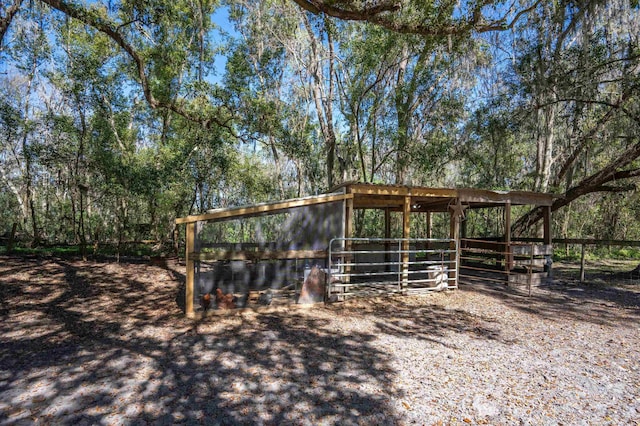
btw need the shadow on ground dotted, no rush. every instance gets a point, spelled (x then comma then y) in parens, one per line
(604, 299)
(88, 343)
(416, 318)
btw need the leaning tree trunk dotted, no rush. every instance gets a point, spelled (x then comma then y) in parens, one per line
(597, 182)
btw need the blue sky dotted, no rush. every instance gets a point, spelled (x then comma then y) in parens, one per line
(221, 19)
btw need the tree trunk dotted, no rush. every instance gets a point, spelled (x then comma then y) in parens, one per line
(323, 96)
(24, 209)
(545, 140)
(26, 151)
(402, 114)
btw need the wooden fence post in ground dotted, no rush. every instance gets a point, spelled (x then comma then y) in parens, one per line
(190, 276)
(582, 263)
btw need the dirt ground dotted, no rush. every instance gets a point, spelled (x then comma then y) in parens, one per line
(107, 343)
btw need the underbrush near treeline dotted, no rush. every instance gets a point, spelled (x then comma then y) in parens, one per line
(603, 254)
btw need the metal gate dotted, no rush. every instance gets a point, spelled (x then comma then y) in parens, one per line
(374, 266)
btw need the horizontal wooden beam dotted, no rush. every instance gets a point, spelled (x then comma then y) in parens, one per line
(264, 208)
(433, 192)
(378, 189)
(251, 255)
(377, 202)
(514, 248)
(401, 191)
(500, 197)
(436, 205)
(483, 244)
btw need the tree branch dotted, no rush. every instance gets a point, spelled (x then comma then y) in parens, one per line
(334, 9)
(617, 105)
(595, 129)
(609, 188)
(383, 14)
(5, 20)
(594, 183)
(102, 25)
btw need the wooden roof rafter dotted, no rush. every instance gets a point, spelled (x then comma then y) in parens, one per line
(263, 208)
(369, 195)
(489, 197)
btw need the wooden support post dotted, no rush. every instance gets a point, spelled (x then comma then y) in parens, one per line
(12, 237)
(387, 222)
(428, 233)
(582, 263)
(454, 234)
(547, 238)
(463, 228)
(348, 233)
(547, 224)
(348, 226)
(507, 238)
(190, 285)
(406, 233)
(387, 234)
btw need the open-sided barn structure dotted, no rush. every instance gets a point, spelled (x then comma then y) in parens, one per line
(268, 253)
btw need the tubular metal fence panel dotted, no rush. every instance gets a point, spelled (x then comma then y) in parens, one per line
(514, 263)
(371, 266)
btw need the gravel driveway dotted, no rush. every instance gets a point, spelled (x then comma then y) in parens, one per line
(106, 343)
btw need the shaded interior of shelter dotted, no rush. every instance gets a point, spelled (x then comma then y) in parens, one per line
(367, 239)
(263, 258)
